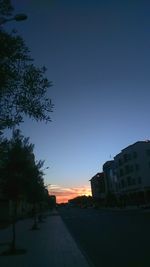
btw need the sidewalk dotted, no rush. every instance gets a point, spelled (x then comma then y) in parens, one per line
(51, 246)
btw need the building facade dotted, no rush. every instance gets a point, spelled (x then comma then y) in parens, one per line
(133, 173)
(109, 170)
(126, 179)
(98, 186)
(110, 175)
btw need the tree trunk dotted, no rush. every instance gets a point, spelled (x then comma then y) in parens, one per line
(13, 244)
(35, 226)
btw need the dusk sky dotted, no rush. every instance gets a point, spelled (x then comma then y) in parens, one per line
(97, 54)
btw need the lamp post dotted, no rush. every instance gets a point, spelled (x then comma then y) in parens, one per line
(18, 17)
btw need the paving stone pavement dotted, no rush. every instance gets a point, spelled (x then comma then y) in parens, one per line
(51, 246)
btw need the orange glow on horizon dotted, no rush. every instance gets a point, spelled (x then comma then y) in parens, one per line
(64, 194)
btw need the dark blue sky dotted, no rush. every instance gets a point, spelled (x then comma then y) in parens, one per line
(98, 56)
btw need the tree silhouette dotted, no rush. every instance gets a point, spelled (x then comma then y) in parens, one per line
(35, 190)
(23, 86)
(5, 7)
(20, 174)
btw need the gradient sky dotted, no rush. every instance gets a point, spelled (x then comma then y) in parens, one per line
(98, 56)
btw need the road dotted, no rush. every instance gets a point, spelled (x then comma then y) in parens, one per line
(111, 238)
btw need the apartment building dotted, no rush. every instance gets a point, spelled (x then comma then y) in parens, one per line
(109, 170)
(98, 186)
(133, 172)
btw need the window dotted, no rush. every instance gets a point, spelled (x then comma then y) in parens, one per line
(127, 168)
(129, 181)
(131, 168)
(122, 183)
(121, 172)
(118, 175)
(120, 162)
(125, 156)
(133, 181)
(148, 152)
(134, 154)
(129, 156)
(137, 167)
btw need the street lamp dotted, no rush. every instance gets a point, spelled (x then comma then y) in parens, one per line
(17, 17)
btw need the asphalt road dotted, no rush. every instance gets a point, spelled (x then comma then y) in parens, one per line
(111, 238)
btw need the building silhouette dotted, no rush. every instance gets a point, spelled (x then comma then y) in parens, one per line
(110, 175)
(126, 179)
(133, 172)
(98, 186)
